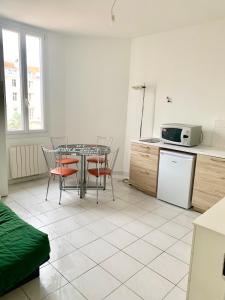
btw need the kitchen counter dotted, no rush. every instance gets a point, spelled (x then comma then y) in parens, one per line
(201, 149)
(213, 219)
(207, 266)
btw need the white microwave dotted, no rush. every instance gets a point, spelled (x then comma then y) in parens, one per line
(181, 134)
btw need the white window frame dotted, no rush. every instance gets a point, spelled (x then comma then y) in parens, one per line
(24, 30)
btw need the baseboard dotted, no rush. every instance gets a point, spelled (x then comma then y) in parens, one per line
(29, 178)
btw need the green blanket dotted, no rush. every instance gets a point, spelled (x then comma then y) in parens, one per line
(23, 249)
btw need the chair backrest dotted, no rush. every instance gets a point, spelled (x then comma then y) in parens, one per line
(50, 157)
(112, 158)
(58, 140)
(104, 141)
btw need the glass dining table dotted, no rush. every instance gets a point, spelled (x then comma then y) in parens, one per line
(84, 150)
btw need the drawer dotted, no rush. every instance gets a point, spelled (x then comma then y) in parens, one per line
(148, 149)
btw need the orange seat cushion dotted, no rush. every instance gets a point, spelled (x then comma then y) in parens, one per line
(64, 172)
(67, 161)
(100, 172)
(96, 159)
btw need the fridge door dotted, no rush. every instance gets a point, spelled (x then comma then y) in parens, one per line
(175, 178)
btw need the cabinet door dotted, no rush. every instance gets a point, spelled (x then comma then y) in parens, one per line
(144, 167)
(209, 183)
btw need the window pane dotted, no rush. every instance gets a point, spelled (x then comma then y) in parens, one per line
(12, 80)
(33, 47)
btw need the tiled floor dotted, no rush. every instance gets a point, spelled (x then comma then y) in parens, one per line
(134, 248)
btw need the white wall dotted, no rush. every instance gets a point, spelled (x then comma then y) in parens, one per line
(97, 75)
(187, 65)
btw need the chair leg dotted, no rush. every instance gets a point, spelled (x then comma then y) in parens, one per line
(46, 197)
(97, 188)
(77, 184)
(112, 188)
(60, 188)
(101, 177)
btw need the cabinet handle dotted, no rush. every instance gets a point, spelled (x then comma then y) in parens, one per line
(218, 160)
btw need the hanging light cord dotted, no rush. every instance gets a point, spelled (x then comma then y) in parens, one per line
(112, 10)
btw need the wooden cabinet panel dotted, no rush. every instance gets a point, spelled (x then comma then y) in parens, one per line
(144, 167)
(209, 183)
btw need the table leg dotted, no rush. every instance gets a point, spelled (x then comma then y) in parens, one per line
(81, 176)
(106, 164)
(84, 172)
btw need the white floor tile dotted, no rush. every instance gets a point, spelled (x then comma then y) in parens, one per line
(133, 211)
(149, 204)
(188, 238)
(174, 229)
(153, 220)
(142, 251)
(49, 281)
(99, 250)
(121, 266)
(118, 204)
(119, 219)
(184, 221)
(181, 251)
(80, 237)
(166, 212)
(17, 294)
(101, 227)
(138, 228)
(85, 218)
(123, 293)
(68, 292)
(169, 267)
(53, 216)
(59, 248)
(120, 238)
(149, 285)
(183, 284)
(64, 226)
(79, 224)
(96, 284)
(73, 265)
(159, 239)
(176, 294)
(50, 232)
(192, 214)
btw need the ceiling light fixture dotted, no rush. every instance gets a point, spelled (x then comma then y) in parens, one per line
(113, 18)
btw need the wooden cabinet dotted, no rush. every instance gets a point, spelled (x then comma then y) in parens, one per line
(144, 167)
(209, 183)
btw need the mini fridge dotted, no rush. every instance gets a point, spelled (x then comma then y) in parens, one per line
(175, 178)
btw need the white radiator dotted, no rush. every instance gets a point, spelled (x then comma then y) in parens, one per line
(26, 160)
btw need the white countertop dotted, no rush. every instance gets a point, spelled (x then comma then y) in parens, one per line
(214, 218)
(201, 149)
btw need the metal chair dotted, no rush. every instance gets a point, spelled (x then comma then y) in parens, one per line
(57, 169)
(101, 140)
(106, 171)
(62, 140)
(104, 141)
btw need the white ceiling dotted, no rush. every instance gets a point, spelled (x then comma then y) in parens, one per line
(133, 17)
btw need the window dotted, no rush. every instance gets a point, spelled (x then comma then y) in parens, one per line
(14, 96)
(14, 82)
(22, 54)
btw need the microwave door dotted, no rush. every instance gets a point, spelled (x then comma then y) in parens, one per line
(173, 135)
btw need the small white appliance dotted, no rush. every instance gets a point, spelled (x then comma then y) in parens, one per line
(181, 134)
(175, 179)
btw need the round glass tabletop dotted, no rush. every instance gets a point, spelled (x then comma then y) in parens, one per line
(84, 149)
